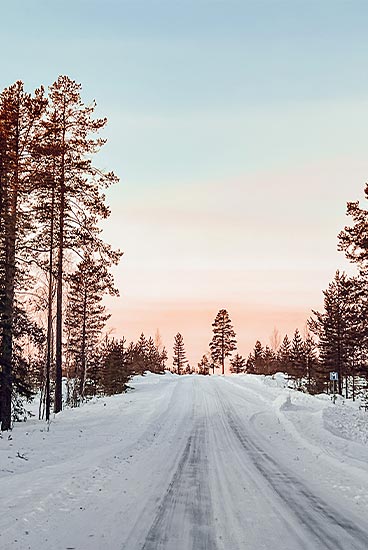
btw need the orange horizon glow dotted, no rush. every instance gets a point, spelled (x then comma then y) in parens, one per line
(238, 141)
(194, 322)
(266, 259)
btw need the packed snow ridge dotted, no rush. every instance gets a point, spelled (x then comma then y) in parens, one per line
(189, 463)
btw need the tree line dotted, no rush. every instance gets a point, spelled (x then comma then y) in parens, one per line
(115, 363)
(55, 270)
(54, 264)
(221, 347)
(335, 340)
(336, 337)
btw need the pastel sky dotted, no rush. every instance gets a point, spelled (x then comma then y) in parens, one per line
(239, 131)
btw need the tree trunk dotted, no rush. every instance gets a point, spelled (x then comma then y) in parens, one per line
(59, 290)
(223, 353)
(83, 353)
(8, 314)
(49, 306)
(7, 335)
(6, 352)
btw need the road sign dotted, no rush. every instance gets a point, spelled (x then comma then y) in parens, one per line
(334, 375)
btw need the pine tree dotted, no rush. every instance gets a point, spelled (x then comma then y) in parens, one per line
(269, 361)
(353, 239)
(311, 365)
(357, 334)
(19, 115)
(223, 342)
(250, 365)
(86, 315)
(163, 359)
(179, 357)
(204, 366)
(155, 358)
(51, 200)
(284, 355)
(78, 189)
(258, 357)
(114, 374)
(297, 359)
(140, 361)
(331, 327)
(45, 151)
(238, 364)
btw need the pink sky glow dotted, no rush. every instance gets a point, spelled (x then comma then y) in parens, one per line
(262, 246)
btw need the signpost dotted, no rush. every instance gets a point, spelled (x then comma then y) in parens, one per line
(334, 376)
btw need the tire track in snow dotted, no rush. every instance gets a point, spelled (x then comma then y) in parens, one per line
(328, 527)
(184, 519)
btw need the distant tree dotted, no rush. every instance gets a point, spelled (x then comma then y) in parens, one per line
(270, 361)
(204, 366)
(297, 358)
(250, 365)
(146, 356)
(223, 341)
(155, 358)
(311, 365)
(179, 357)
(284, 355)
(331, 327)
(212, 365)
(114, 373)
(163, 358)
(258, 356)
(139, 357)
(188, 369)
(237, 364)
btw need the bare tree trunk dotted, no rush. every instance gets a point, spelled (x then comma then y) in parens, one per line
(59, 324)
(223, 353)
(6, 352)
(83, 354)
(49, 306)
(59, 291)
(7, 335)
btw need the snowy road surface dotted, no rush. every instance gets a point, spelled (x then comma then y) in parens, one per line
(186, 463)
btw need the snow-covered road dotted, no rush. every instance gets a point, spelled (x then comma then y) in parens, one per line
(186, 463)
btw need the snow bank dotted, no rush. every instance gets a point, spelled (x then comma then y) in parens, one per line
(347, 422)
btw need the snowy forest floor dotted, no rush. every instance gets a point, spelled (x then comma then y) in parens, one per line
(189, 463)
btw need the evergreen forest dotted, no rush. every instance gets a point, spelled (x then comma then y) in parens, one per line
(55, 270)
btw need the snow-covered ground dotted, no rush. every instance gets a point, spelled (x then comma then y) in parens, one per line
(189, 463)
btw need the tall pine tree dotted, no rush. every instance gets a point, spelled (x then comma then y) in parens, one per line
(179, 356)
(331, 327)
(86, 315)
(19, 117)
(223, 342)
(77, 186)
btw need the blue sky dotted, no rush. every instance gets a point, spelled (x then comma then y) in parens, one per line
(239, 131)
(232, 80)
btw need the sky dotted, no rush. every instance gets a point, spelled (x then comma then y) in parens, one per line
(238, 131)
